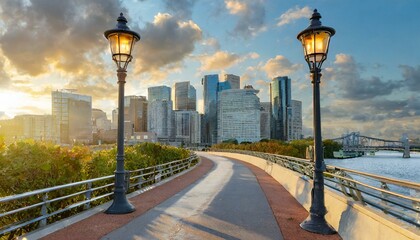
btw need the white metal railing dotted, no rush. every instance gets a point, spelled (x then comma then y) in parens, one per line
(27, 211)
(398, 198)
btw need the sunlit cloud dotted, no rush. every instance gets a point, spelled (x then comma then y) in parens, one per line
(251, 16)
(294, 14)
(280, 66)
(167, 42)
(222, 60)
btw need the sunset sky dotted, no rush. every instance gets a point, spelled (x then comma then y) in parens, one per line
(370, 83)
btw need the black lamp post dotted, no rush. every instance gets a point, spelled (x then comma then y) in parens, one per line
(121, 40)
(315, 40)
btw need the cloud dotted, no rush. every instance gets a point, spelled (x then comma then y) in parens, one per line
(376, 118)
(165, 43)
(61, 34)
(218, 61)
(222, 60)
(212, 43)
(294, 14)
(236, 7)
(251, 16)
(411, 77)
(279, 66)
(180, 8)
(347, 76)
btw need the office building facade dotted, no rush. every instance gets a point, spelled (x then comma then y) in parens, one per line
(265, 120)
(239, 115)
(161, 119)
(187, 127)
(296, 121)
(159, 93)
(280, 99)
(73, 113)
(184, 96)
(209, 124)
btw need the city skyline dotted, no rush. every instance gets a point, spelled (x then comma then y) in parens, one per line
(369, 82)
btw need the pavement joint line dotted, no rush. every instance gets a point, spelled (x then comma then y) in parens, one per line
(98, 209)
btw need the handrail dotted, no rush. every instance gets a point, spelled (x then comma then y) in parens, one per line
(379, 196)
(387, 179)
(38, 211)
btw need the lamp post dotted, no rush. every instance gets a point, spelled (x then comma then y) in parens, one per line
(121, 40)
(315, 40)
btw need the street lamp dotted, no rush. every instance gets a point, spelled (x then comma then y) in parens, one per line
(315, 40)
(121, 40)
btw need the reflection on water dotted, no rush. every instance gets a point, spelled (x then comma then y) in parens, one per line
(385, 163)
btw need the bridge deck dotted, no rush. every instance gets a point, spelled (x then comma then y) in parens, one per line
(219, 199)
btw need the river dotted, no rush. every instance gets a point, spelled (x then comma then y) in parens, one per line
(384, 163)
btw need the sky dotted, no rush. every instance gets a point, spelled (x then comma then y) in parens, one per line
(370, 81)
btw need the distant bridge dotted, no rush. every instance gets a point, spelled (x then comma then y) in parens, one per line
(354, 142)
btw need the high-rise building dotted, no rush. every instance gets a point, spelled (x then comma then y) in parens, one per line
(159, 93)
(160, 116)
(280, 98)
(74, 116)
(233, 80)
(209, 124)
(265, 120)
(296, 121)
(161, 119)
(187, 127)
(136, 113)
(37, 127)
(238, 115)
(185, 97)
(100, 121)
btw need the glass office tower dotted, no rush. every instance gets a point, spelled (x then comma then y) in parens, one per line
(280, 98)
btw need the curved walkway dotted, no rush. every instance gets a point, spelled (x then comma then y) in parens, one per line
(230, 200)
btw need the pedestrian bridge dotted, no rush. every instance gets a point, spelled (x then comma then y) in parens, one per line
(248, 195)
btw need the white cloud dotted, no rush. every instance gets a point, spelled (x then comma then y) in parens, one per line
(293, 14)
(279, 66)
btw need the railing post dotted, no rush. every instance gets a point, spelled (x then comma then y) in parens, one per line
(384, 196)
(44, 210)
(158, 175)
(127, 180)
(88, 195)
(140, 180)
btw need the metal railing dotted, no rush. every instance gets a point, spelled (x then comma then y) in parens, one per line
(28, 211)
(398, 198)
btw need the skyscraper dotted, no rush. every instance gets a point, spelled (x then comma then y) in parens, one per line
(238, 115)
(137, 113)
(233, 80)
(265, 120)
(161, 119)
(159, 93)
(280, 98)
(296, 122)
(185, 96)
(209, 124)
(73, 113)
(187, 127)
(160, 113)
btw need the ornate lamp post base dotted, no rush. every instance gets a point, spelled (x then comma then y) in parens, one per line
(120, 205)
(316, 224)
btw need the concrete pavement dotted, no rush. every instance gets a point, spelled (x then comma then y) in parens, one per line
(226, 203)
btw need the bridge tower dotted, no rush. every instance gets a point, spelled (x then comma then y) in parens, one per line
(406, 145)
